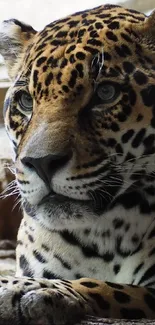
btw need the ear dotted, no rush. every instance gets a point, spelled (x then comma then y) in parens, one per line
(145, 32)
(15, 36)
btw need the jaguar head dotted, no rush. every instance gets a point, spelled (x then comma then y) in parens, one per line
(80, 111)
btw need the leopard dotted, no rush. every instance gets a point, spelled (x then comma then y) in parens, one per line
(80, 115)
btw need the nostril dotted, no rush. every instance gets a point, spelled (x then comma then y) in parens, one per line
(46, 166)
(27, 162)
(57, 161)
(37, 165)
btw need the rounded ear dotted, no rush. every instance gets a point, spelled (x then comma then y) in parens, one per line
(15, 36)
(145, 32)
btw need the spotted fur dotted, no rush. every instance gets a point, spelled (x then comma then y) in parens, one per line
(80, 116)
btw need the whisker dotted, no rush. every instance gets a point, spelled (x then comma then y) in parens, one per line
(19, 202)
(11, 189)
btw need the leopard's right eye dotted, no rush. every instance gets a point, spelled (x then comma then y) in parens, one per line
(24, 101)
(108, 92)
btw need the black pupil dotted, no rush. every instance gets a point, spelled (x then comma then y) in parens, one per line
(106, 92)
(106, 89)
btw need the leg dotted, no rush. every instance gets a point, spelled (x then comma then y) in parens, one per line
(28, 301)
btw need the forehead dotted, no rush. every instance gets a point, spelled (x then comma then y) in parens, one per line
(86, 28)
(75, 39)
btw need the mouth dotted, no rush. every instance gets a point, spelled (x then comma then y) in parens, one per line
(54, 200)
(57, 198)
(56, 205)
(53, 196)
(56, 211)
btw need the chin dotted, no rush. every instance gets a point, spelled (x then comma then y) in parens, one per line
(57, 212)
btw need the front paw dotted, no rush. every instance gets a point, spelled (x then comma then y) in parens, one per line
(51, 306)
(41, 306)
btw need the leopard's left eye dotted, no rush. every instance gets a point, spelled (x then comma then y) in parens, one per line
(107, 92)
(24, 101)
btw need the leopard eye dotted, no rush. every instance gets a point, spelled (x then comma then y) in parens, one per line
(107, 92)
(24, 101)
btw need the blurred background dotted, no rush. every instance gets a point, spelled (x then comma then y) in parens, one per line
(40, 13)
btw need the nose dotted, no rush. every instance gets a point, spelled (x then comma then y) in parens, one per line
(46, 166)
